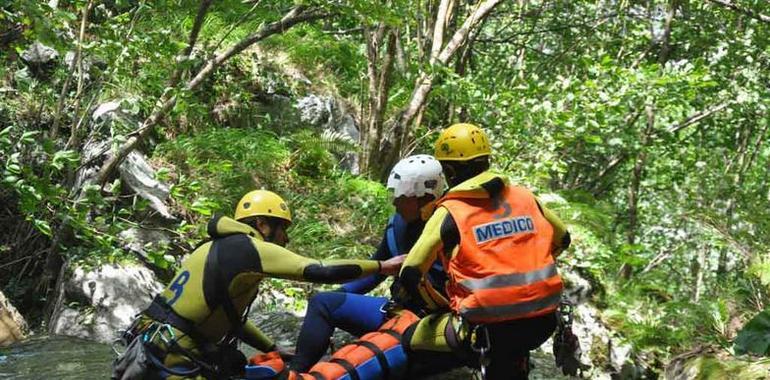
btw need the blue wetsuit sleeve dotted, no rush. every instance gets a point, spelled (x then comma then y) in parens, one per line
(366, 284)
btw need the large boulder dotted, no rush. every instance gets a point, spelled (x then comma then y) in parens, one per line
(101, 301)
(141, 240)
(13, 327)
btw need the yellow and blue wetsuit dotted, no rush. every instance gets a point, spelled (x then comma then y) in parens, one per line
(232, 265)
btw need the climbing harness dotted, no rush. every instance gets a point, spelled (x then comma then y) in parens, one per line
(149, 340)
(566, 346)
(480, 344)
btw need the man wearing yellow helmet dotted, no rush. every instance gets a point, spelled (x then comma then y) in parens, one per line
(190, 328)
(498, 245)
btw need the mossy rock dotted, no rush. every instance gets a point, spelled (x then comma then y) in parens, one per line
(600, 352)
(714, 367)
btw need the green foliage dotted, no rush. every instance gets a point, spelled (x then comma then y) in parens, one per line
(310, 158)
(755, 336)
(336, 215)
(337, 62)
(217, 166)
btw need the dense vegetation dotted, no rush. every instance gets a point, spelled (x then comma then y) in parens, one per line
(644, 122)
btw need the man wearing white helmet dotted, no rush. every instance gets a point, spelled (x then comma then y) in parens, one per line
(416, 182)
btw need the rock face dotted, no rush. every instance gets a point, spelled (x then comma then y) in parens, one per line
(604, 354)
(137, 240)
(334, 121)
(135, 172)
(108, 297)
(13, 327)
(41, 59)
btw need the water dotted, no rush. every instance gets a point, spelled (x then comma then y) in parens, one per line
(56, 357)
(60, 357)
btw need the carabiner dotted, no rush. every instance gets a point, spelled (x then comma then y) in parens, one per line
(481, 346)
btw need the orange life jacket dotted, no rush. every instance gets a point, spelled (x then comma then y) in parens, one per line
(503, 268)
(376, 355)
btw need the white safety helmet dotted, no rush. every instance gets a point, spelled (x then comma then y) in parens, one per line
(416, 176)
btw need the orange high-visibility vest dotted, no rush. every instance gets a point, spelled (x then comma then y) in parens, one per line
(503, 268)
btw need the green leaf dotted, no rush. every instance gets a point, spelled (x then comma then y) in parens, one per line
(64, 157)
(28, 137)
(14, 168)
(755, 336)
(42, 226)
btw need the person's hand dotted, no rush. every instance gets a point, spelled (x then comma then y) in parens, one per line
(390, 267)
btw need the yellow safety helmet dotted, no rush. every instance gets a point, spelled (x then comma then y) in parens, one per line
(461, 142)
(262, 203)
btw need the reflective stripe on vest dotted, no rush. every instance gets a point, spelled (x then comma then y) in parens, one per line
(503, 268)
(512, 311)
(513, 279)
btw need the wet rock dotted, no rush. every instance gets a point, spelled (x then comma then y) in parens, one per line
(13, 327)
(107, 299)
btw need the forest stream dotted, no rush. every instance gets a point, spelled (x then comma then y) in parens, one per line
(639, 129)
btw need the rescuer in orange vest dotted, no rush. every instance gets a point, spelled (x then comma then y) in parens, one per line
(498, 245)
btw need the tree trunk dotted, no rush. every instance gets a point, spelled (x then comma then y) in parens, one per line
(379, 72)
(438, 31)
(699, 263)
(743, 161)
(634, 187)
(402, 122)
(665, 46)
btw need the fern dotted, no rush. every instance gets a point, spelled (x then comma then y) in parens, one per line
(338, 143)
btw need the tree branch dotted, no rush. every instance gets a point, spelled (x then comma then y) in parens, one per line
(297, 15)
(424, 83)
(75, 64)
(697, 117)
(194, 32)
(438, 31)
(747, 12)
